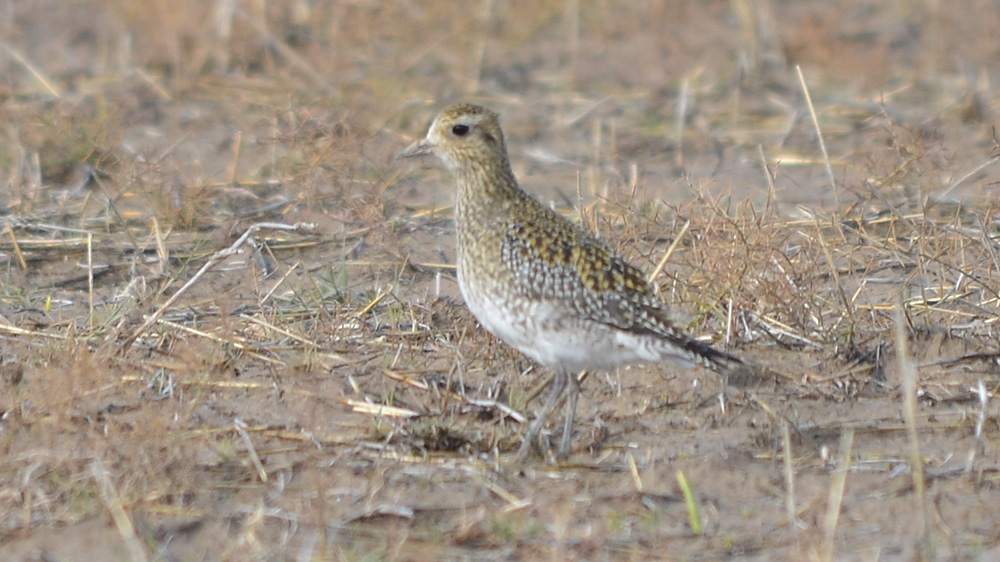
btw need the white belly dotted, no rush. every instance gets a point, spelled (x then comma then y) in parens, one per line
(554, 336)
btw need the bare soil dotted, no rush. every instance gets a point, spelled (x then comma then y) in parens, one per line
(323, 394)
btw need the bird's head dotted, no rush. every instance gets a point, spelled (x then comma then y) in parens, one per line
(462, 135)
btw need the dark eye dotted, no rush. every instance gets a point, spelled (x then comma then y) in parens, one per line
(460, 130)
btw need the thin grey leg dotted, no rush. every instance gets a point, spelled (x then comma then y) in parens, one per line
(558, 385)
(566, 445)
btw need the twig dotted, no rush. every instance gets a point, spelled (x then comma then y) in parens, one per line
(670, 250)
(17, 247)
(241, 428)
(682, 106)
(90, 277)
(836, 498)
(819, 135)
(848, 305)
(46, 83)
(791, 512)
(212, 262)
(984, 400)
(775, 328)
(11, 329)
(114, 505)
(634, 470)
(772, 195)
(941, 196)
(496, 404)
(908, 387)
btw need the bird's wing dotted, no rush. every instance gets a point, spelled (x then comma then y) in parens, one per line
(570, 266)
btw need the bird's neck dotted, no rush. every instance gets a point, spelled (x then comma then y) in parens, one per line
(486, 189)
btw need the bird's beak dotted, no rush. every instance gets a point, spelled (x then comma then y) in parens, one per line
(417, 148)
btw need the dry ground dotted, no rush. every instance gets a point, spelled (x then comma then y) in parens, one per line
(324, 395)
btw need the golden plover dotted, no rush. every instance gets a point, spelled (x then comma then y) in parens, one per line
(543, 285)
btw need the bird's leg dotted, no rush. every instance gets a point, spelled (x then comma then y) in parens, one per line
(566, 444)
(531, 436)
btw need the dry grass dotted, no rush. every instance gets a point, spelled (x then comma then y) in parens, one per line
(324, 395)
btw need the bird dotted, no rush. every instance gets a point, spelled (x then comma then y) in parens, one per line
(542, 284)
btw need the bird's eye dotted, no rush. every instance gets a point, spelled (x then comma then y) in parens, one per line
(460, 130)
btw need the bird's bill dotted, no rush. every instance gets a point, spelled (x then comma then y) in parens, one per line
(417, 148)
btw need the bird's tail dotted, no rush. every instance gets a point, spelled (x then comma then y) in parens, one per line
(735, 370)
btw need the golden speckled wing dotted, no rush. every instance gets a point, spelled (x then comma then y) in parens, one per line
(571, 267)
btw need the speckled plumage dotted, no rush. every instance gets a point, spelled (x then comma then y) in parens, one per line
(541, 284)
